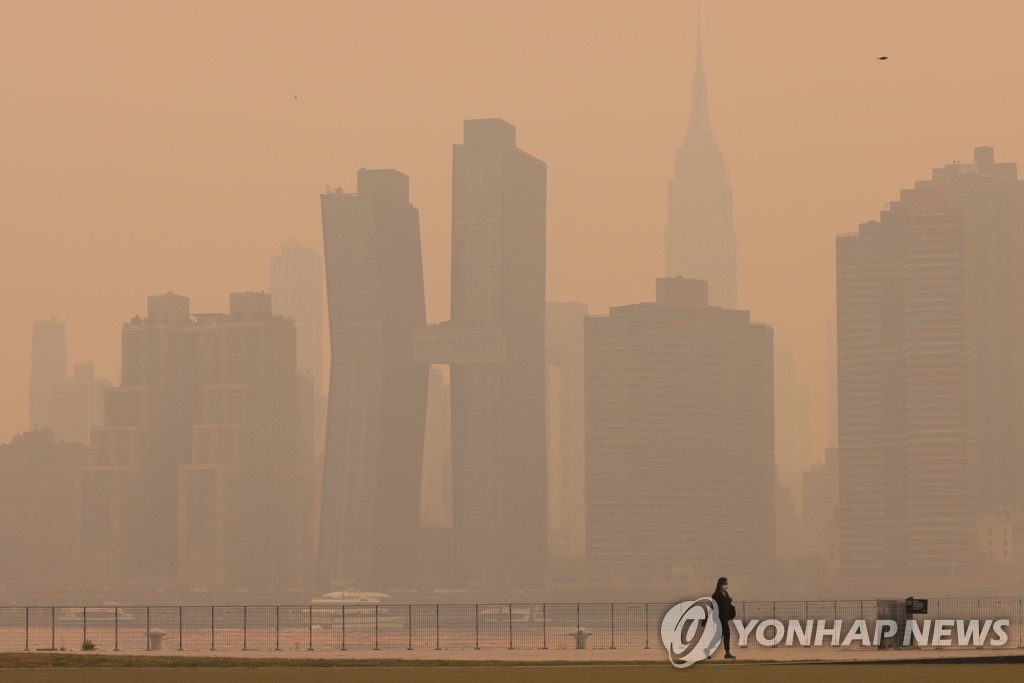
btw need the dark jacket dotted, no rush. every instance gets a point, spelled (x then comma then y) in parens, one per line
(725, 609)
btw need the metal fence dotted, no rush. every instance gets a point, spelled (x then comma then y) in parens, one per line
(414, 627)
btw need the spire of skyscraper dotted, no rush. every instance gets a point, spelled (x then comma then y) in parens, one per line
(699, 120)
(699, 238)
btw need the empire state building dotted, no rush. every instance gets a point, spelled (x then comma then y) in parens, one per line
(699, 238)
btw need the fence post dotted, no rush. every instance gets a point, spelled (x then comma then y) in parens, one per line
(26, 629)
(245, 627)
(437, 627)
(181, 637)
(310, 627)
(477, 626)
(647, 628)
(510, 626)
(213, 628)
(115, 629)
(410, 627)
(544, 624)
(343, 627)
(277, 627)
(53, 628)
(85, 620)
(577, 617)
(147, 628)
(376, 627)
(613, 626)
(773, 617)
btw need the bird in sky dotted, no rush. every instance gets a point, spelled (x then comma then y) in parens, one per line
(882, 58)
(297, 97)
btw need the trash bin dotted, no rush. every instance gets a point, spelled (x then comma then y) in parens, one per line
(581, 636)
(156, 638)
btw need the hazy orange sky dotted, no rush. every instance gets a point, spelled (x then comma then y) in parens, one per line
(148, 147)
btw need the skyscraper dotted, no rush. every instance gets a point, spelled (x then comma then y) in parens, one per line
(49, 366)
(78, 405)
(680, 466)
(238, 494)
(699, 238)
(296, 289)
(930, 372)
(499, 199)
(564, 341)
(377, 402)
(195, 474)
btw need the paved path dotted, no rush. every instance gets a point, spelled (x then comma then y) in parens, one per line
(781, 654)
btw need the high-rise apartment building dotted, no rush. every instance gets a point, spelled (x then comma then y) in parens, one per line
(238, 496)
(930, 372)
(680, 464)
(699, 238)
(195, 475)
(49, 366)
(377, 402)
(77, 406)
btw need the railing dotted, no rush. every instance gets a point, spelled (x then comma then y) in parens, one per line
(415, 627)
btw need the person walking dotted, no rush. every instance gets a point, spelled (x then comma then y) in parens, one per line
(726, 612)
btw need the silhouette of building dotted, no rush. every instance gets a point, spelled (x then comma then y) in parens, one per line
(238, 496)
(78, 405)
(436, 496)
(699, 238)
(929, 372)
(793, 452)
(819, 511)
(499, 199)
(566, 514)
(194, 476)
(49, 366)
(376, 410)
(39, 512)
(129, 485)
(680, 465)
(297, 292)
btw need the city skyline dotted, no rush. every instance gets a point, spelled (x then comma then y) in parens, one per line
(893, 404)
(770, 113)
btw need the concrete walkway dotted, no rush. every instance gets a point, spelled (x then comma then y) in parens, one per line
(781, 654)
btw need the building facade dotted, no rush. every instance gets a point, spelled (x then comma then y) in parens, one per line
(377, 402)
(929, 378)
(499, 497)
(566, 513)
(680, 463)
(77, 406)
(49, 367)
